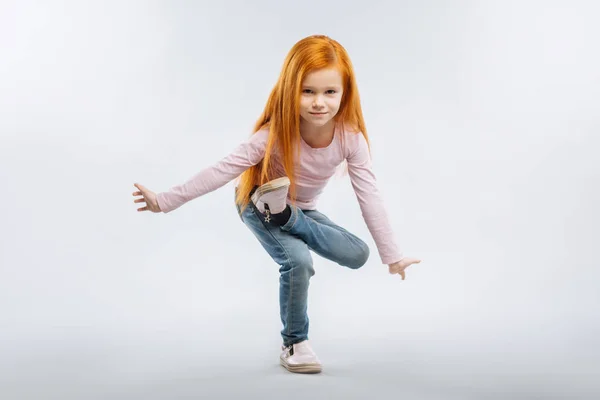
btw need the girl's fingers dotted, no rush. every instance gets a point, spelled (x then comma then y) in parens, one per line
(139, 200)
(143, 209)
(137, 193)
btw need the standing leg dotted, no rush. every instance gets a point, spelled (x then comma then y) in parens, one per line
(296, 268)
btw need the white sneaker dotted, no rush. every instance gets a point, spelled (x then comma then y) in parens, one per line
(300, 358)
(274, 194)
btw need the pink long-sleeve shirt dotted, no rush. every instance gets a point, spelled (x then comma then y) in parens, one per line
(316, 167)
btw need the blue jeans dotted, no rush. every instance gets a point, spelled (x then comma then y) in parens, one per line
(289, 246)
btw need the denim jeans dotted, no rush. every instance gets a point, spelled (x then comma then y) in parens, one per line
(289, 246)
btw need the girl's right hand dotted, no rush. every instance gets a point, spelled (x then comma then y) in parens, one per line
(149, 197)
(399, 266)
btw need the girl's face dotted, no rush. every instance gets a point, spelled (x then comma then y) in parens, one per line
(320, 96)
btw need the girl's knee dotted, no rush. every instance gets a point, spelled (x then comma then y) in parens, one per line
(359, 258)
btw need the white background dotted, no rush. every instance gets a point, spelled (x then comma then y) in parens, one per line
(484, 120)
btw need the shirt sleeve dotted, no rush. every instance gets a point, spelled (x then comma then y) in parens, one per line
(364, 183)
(245, 155)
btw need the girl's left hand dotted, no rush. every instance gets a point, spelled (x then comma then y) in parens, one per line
(400, 266)
(148, 197)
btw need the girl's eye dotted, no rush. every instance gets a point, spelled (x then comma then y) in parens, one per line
(331, 91)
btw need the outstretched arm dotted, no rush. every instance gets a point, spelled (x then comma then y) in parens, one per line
(245, 155)
(364, 183)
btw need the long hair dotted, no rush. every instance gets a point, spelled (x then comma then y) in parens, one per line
(282, 112)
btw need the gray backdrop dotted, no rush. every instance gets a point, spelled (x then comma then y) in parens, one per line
(484, 119)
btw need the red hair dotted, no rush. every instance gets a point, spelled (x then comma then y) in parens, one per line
(282, 112)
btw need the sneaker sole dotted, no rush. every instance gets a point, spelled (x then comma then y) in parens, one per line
(301, 368)
(270, 187)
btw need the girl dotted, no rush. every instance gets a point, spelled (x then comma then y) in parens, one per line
(312, 123)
